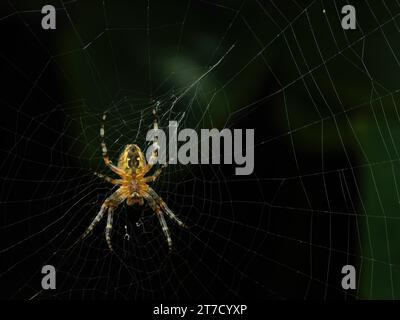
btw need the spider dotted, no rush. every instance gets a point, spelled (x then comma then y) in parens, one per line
(133, 185)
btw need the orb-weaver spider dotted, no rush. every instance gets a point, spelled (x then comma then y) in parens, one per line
(133, 186)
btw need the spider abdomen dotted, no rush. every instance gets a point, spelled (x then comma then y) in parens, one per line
(132, 160)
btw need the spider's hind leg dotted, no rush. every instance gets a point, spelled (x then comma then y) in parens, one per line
(155, 146)
(104, 150)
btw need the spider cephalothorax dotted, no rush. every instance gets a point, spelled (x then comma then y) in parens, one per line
(133, 185)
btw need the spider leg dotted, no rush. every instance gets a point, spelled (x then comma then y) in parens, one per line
(109, 205)
(153, 205)
(165, 229)
(155, 175)
(108, 179)
(95, 221)
(109, 227)
(104, 150)
(156, 146)
(160, 202)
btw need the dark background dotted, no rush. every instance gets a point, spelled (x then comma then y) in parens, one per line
(322, 101)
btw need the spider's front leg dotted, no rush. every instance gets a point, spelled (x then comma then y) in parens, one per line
(153, 205)
(160, 202)
(109, 227)
(109, 205)
(159, 207)
(95, 221)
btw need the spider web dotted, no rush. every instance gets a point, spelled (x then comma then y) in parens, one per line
(322, 101)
